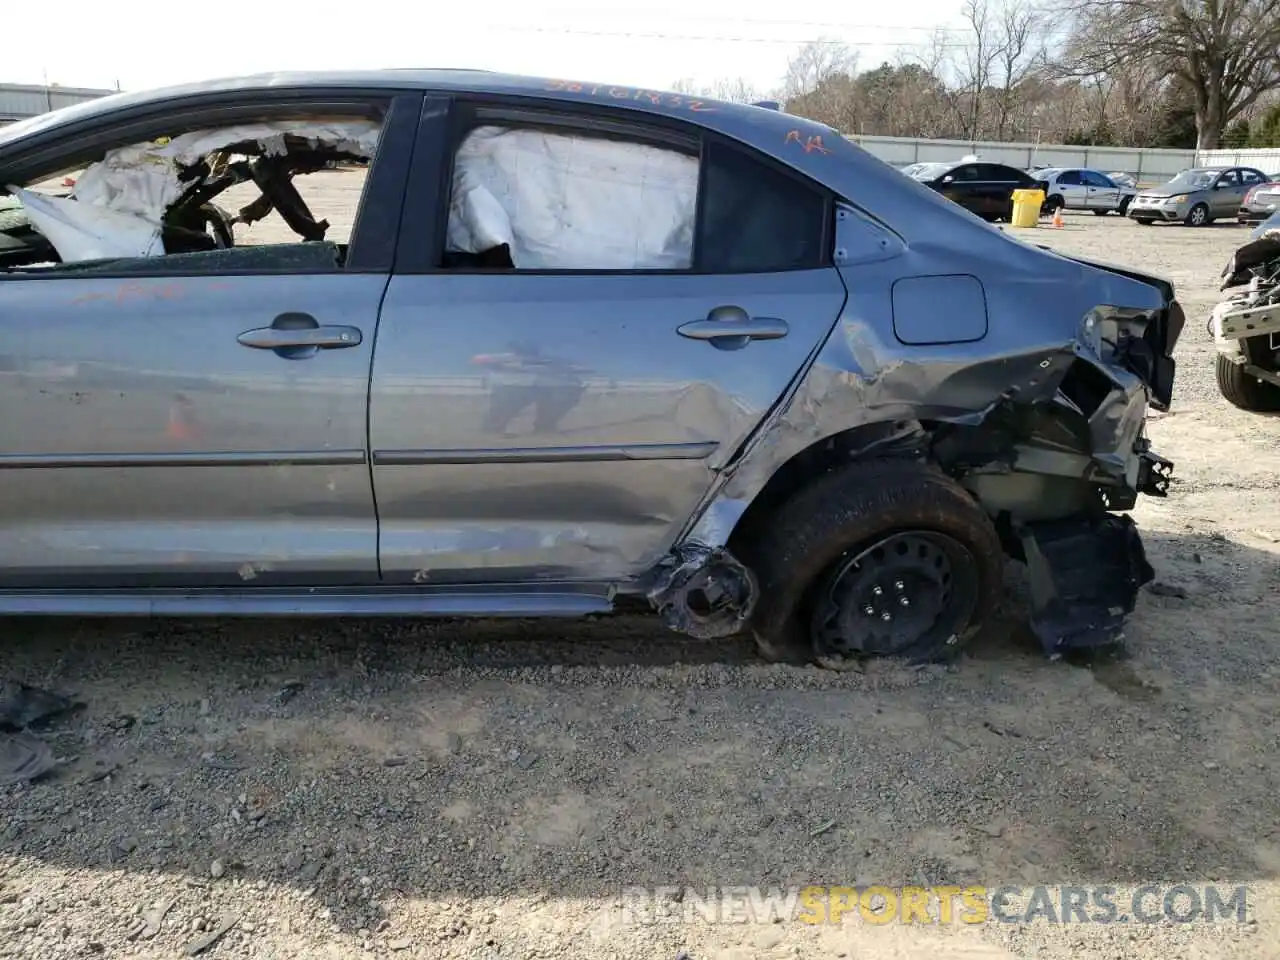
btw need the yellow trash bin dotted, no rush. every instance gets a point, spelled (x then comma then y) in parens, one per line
(1026, 207)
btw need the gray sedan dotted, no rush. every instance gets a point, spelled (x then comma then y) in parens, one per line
(1197, 196)
(565, 346)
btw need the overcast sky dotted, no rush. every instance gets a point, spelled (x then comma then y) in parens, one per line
(146, 43)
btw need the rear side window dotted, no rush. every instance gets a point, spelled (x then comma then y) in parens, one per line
(547, 197)
(1253, 176)
(755, 218)
(995, 173)
(1070, 178)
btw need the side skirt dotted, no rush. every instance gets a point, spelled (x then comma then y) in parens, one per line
(508, 600)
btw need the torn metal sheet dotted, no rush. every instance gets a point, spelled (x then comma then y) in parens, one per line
(21, 705)
(1085, 575)
(705, 593)
(24, 757)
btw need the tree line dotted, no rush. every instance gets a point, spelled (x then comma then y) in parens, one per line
(1129, 73)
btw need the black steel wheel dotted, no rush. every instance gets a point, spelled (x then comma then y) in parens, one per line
(869, 526)
(909, 589)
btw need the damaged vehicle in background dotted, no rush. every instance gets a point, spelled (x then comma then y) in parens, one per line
(1246, 324)
(571, 347)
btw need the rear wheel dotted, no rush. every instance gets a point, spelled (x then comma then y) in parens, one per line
(885, 558)
(1124, 206)
(1243, 390)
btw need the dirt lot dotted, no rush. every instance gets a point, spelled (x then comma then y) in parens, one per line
(364, 788)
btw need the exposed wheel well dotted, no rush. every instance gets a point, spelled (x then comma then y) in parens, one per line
(902, 437)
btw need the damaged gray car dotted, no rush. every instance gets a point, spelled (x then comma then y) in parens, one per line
(570, 347)
(1246, 324)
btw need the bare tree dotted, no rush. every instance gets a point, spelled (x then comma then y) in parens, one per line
(737, 90)
(816, 63)
(1223, 51)
(1019, 51)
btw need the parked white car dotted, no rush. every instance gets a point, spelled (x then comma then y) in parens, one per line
(1077, 188)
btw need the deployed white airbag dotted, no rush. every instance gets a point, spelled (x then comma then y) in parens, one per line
(119, 203)
(573, 203)
(85, 232)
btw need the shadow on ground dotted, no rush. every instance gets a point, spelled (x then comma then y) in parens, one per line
(573, 760)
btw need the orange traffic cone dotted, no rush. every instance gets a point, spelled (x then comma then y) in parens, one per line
(1057, 219)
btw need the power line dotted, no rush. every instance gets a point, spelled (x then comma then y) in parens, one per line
(722, 38)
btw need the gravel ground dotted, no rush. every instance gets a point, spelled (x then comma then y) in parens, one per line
(352, 788)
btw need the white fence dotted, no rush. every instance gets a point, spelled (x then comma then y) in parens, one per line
(1147, 166)
(1268, 161)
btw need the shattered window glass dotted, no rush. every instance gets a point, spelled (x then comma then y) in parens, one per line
(213, 195)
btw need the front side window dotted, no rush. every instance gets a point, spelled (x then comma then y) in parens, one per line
(547, 198)
(214, 199)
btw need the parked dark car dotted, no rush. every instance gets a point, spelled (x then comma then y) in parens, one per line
(630, 346)
(983, 188)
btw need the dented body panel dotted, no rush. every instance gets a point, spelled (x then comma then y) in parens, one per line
(646, 454)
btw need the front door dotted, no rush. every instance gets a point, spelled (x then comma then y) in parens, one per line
(561, 415)
(1227, 192)
(200, 427)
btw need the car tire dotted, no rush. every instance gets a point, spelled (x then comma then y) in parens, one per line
(1244, 391)
(1123, 209)
(898, 521)
(1197, 216)
(1143, 221)
(1052, 204)
(1101, 213)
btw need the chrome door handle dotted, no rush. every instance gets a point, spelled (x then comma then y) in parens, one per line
(297, 336)
(733, 327)
(273, 338)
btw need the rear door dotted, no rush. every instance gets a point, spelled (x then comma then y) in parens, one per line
(1102, 193)
(557, 408)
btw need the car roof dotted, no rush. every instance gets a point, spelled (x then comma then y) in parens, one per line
(407, 78)
(879, 192)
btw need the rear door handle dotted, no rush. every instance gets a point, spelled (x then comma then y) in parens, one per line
(733, 327)
(273, 338)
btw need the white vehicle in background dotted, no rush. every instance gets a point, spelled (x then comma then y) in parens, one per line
(1122, 179)
(1079, 188)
